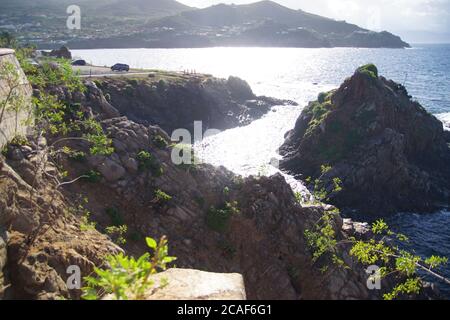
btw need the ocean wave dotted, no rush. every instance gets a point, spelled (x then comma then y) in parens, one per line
(445, 118)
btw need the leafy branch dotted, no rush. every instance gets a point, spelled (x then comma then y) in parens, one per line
(127, 278)
(323, 241)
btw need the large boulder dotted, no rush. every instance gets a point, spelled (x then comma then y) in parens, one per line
(189, 284)
(389, 152)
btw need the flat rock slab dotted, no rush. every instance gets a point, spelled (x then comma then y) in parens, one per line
(187, 284)
(6, 51)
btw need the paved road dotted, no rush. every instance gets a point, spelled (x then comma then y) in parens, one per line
(95, 71)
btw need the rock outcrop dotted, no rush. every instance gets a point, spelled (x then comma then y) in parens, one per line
(215, 221)
(61, 53)
(174, 101)
(389, 152)
(45, 234)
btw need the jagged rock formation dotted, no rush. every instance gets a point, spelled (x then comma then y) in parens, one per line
(204, 233)
(390, 153)
(176, 101)
(45, 234)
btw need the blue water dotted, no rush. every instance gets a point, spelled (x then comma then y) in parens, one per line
(428, 234)
(300, 74)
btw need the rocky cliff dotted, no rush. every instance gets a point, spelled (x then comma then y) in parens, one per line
(174, 101)
(209, 217)
(215, 221)
(389, 152)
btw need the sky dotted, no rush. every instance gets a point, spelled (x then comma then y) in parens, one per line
(413, 20)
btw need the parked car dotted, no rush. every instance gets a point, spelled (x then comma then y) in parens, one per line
(120, 67)
(79, 63)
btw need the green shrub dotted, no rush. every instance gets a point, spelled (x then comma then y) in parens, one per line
(219, 219)
(117, 233)
(86, 224)
(93, 132)
(93, 176)
(79, 156)
(115, 216)
(136, 236)
(19, 141)
(369, 69)
(56, 72)
(161, 197)
(85, 217)
(379, 250)
(148, 162)
(160, 142)
(128, 278)
(74, 155)
(322, 96)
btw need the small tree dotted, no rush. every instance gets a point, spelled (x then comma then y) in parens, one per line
(11, 94)
(127, 278)
(7, 40)
(380, 249)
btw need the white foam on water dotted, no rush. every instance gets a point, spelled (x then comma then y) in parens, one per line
(445, 118)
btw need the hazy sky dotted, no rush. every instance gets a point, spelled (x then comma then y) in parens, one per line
(398, 16)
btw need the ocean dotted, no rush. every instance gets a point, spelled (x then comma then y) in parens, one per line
(300, 75)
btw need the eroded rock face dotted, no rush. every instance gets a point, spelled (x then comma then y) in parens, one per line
(45, 237)
(263, 239)
(390, 153)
